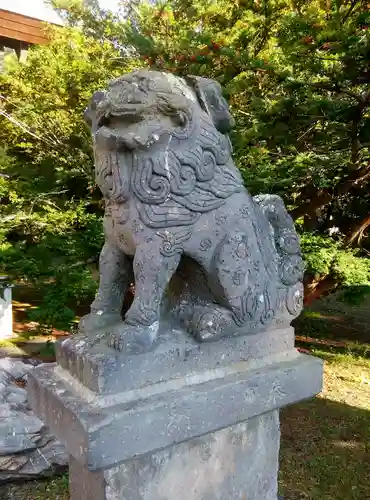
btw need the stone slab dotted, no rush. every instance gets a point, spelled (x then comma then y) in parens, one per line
(83, 484)
(27, 451)
(240, 462)
(100, 432)
(174, 354)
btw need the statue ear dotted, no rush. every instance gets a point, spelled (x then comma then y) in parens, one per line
(211, 100)
(90, 111)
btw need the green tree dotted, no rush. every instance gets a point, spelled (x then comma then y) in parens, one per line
(50, 209)
(296, 74)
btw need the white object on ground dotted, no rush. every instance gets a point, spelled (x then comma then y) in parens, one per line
(6, 313)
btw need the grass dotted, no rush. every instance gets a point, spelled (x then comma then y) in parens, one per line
(35, 346)
(54, 489)
(339, 317)
(325, 448)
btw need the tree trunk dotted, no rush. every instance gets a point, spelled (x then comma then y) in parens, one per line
(358, 231)
(314, 289)
(310, 208)
(355, 174)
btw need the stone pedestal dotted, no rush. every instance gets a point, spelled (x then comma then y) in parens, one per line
(184, 421)
(6, 312)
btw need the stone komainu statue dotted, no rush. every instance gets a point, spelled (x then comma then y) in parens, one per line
(179, 221)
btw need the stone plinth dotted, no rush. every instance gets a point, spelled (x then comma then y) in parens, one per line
(240, 461)
(185, 420)
(6, 313)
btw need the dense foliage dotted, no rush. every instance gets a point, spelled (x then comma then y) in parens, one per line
(297, 76)
(50, 209)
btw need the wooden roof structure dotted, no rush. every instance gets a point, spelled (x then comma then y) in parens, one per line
(18, 31)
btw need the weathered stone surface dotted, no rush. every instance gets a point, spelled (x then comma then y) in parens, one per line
(239, 462)
(179, 218)
(138, 436)
(166, 413)
(15, 368)
(172, 355)
(23, 424)
(5, 411)
(85, 485)
(26, 448)
(29, 460)
(16, 396)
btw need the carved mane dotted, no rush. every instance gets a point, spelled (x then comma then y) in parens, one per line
(191, 176)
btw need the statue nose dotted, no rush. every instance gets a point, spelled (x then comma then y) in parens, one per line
(105, 138)
(135, 98)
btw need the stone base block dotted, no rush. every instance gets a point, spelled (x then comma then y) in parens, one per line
(237, 463)
(172, 356)
(84, 484)
(204, 427)
(100, 431)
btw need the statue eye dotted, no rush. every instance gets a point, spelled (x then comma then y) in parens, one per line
(145, 85)
(213, 99)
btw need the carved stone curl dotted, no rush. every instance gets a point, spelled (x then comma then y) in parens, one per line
(231, 264)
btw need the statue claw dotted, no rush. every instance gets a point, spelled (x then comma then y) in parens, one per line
(94, 322)
(133, 339)
(210, 323)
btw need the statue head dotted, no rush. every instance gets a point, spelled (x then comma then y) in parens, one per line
(163, 139)
(143, 105)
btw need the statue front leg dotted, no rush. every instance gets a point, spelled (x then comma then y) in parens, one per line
(152, 273)
(115, 277)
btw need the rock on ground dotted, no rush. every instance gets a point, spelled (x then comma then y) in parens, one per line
(27, 451)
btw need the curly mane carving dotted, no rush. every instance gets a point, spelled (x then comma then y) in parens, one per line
(192, 175)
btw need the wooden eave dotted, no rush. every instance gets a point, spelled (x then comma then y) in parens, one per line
(24, 29)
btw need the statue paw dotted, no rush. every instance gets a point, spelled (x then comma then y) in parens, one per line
(133, 339)
(210, 324)
(94, 322)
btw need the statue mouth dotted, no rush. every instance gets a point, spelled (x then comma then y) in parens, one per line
(127, 112)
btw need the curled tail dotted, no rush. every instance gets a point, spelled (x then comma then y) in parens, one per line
(291, 267)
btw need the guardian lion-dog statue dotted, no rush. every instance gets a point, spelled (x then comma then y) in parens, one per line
(179, 221)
